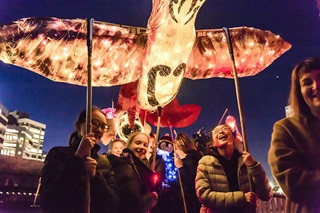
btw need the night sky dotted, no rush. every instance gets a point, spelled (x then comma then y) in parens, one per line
(263, 96)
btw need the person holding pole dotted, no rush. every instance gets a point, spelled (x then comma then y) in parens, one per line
(159, 165)
(160, 169)
(295, 142)
(65, 172)
(222, 180)
(186, 157)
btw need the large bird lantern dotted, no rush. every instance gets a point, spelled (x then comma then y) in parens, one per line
(157, 58)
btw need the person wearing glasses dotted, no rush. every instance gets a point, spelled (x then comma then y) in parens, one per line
(294, 156)
(68, 169)
(222, 180)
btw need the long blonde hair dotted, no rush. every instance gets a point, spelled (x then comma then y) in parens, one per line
(133, 135)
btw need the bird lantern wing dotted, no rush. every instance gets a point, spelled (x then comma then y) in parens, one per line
(57, 49)
(254, 50)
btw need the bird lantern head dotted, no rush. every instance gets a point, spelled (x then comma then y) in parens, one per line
(166, 57)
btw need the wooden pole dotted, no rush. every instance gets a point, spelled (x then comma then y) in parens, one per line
(89, 77)
(37, 194)
(223, 116)
(179, 178)
(156, 138)
(86, 208)
(236, 82)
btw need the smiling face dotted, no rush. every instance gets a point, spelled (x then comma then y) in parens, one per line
(139, 144)
(98, 118)
(117, 148)
(222, 136)
(310, 90)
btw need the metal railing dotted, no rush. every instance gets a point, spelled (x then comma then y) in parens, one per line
(275, 205)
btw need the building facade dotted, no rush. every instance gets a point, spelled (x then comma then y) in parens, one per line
(21, 143)
(23, 137)
(4, 113)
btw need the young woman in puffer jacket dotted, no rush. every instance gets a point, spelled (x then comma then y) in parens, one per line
(222, 180)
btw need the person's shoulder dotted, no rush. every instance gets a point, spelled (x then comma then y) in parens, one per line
(209, 158)
(158, 156)
(288, 119)
(194, 155)
(292, 121)
(60, 150)
(116, 161)
(160, 159)
(112, 157)
(103, 160)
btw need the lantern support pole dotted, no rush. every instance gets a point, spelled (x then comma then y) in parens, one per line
(86, 208)
(179, 177)
(156, 138)
(223, 116)
(37, 194)
(89, 77)
(236, 82)
(182, 193)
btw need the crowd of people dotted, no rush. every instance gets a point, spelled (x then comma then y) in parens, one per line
(131, 177)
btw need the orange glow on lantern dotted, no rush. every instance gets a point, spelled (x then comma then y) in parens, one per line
(166, 59)
(157, 57)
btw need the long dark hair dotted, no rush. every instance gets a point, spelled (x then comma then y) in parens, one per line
(296, 100)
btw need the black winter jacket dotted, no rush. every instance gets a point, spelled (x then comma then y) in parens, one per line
(188, 175)
(135, 182)
(159, 168)
(63, 183)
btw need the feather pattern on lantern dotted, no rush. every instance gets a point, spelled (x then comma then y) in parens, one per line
(157, 58)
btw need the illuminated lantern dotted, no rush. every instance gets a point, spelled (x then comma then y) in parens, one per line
(231, 122)
(171, 38)
(125, 128)
(155, 58)
(111, 123)
(129, 113)
(175, 115)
